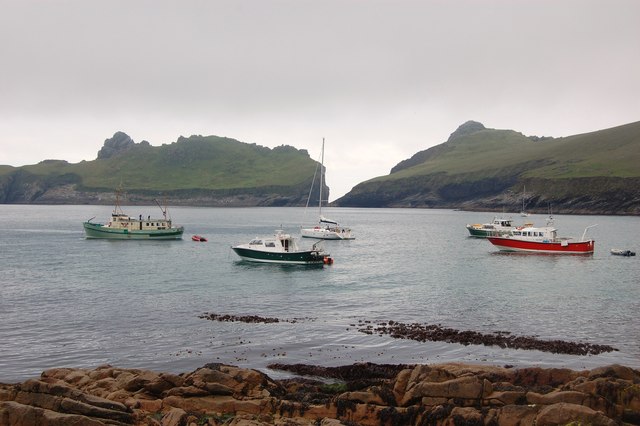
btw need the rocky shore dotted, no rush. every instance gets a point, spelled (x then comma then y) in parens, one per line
(359, 394)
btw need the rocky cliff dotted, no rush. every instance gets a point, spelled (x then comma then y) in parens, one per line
(360, 394)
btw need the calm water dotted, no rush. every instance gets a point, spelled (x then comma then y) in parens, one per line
(70, 302)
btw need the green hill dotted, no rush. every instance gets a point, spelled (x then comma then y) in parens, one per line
(197, 170)
(480, 168)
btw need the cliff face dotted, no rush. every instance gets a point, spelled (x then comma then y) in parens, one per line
(37, 191)
(360, 394)
(594, 195)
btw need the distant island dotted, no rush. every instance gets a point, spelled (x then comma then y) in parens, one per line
(477, 168)
(487, 169)
(197, 171)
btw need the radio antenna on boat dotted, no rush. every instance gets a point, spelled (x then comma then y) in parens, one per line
(164, 210)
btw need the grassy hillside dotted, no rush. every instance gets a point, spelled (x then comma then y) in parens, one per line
(612, 152)
(195, 164)
(490, 163)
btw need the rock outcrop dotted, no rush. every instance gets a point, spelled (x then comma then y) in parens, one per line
(120, 142)
(362, 394)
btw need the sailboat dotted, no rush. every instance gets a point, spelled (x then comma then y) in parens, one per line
(326, 229)
(523, 212)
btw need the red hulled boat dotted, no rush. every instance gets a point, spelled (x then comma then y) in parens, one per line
(542, 240)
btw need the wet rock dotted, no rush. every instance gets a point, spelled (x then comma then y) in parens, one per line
(437, 333)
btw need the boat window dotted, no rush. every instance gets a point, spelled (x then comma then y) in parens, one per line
(270, 244)
(256, 242)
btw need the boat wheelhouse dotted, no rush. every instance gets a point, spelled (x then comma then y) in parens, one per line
(498, 226)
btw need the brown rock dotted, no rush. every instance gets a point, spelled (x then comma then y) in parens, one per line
(540, 377)
(564, 413)
(463, 388)
(466, 416)
(187, 391)
(175, 417)
(571, 397)
(401, 384)
(516, 415)
(149, 405)
(506, 398)
(615, 370)
(362, 397)
(15, 414)
(8, 392)
(446, 394)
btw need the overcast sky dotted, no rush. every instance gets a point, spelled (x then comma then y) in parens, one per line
(379, 79)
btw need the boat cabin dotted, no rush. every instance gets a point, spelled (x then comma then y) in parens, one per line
(544, 234)
(280, 242)
(503, 223)
(122, 221)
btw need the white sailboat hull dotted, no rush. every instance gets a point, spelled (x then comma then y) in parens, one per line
(320, 233)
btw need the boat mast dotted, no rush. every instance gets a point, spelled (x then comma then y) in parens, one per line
(117, 208)
(321, 178)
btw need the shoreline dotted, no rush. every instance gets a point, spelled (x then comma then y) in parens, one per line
(356, 394)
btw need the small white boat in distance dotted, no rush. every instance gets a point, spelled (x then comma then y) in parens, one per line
(622, 252)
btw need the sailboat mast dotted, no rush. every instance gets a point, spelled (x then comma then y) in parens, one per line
(321, 178)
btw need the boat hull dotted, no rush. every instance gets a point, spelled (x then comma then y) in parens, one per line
(479, 233)
(324, 234)
(621, 252)
(306, 257)
(561, 247)
(96, 230)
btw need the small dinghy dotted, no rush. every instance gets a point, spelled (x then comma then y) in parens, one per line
(622, 252)
(199, 238)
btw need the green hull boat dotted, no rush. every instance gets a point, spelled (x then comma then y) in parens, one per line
(123, 227)
(97, 230)
(281, 248)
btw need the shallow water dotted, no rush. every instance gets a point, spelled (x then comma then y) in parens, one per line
(66, 301)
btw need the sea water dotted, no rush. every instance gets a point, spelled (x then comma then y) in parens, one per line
(68, 301)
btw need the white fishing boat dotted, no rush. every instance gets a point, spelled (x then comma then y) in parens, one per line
(498, 226)
(326, 229)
